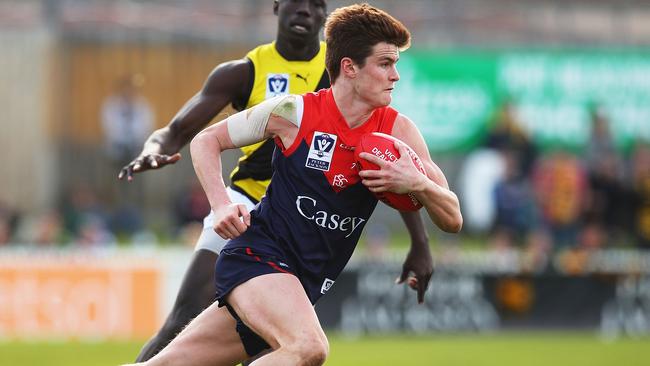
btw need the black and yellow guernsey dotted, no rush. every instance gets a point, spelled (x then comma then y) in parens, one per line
(272, 75)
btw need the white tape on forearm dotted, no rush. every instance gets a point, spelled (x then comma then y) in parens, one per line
(249, 126)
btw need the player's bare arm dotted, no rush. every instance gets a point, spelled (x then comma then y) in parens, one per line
(277, 117)
(224, 85)
(402, 176)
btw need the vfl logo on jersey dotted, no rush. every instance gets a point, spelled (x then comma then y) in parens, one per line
(321, 151)
(277, 84)
(327, 284)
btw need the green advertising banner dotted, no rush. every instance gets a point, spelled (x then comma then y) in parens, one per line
(452, 95)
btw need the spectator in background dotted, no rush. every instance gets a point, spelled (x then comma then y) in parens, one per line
(127, 120)
(641, 194)
(191, 206)
(516, 215)
(5, 231)
(560, 184)
(127, 223)
(84, 217)
(480, 173)
(9, 219)
(79, 206)
(537, 254)
(507, 133)
(606, 212)
(93, 232)
(600, 141)
(517, 221)
(487, 166)
(44, 229)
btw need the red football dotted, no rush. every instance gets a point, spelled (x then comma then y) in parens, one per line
(383, 146)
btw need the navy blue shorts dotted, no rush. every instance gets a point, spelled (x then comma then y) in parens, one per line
(236, 266)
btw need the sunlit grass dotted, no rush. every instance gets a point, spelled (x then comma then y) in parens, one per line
(500, 349)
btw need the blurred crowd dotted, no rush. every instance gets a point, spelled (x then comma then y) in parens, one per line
(559, 198)
(520, 195)
(112, 212)
(82, 219)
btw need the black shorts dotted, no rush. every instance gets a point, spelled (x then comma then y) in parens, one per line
(236, 266)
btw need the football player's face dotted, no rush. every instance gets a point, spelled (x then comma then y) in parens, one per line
(376, 79)
(300, 19)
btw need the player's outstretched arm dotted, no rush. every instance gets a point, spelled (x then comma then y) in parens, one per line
(418, 262)
(402, 176)
(276, 117)
(226, 83)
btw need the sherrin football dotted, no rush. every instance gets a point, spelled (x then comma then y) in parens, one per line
(383, 146)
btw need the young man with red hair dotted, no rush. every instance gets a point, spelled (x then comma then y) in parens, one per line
(286, 253)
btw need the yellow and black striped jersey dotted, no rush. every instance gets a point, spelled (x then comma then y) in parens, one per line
(273, 75)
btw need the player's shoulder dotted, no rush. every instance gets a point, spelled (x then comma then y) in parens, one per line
(403, 121)
(404, 128)
(228, 74)
(261, 51)
(232, 66)
(314, 98)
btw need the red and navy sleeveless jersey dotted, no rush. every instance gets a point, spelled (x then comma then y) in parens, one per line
(316, 206)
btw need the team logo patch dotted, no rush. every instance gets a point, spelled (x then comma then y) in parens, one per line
(277, 84)
(327, 284)
(339, 181)
(321, 151)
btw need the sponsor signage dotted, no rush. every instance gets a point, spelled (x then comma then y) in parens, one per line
(453, 95)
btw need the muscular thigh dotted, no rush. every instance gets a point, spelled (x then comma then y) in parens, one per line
(209, 339)
(276, 307)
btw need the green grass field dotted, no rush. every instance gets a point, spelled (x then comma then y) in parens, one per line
(501, 349)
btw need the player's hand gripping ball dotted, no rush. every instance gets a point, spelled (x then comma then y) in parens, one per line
(383, 146)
